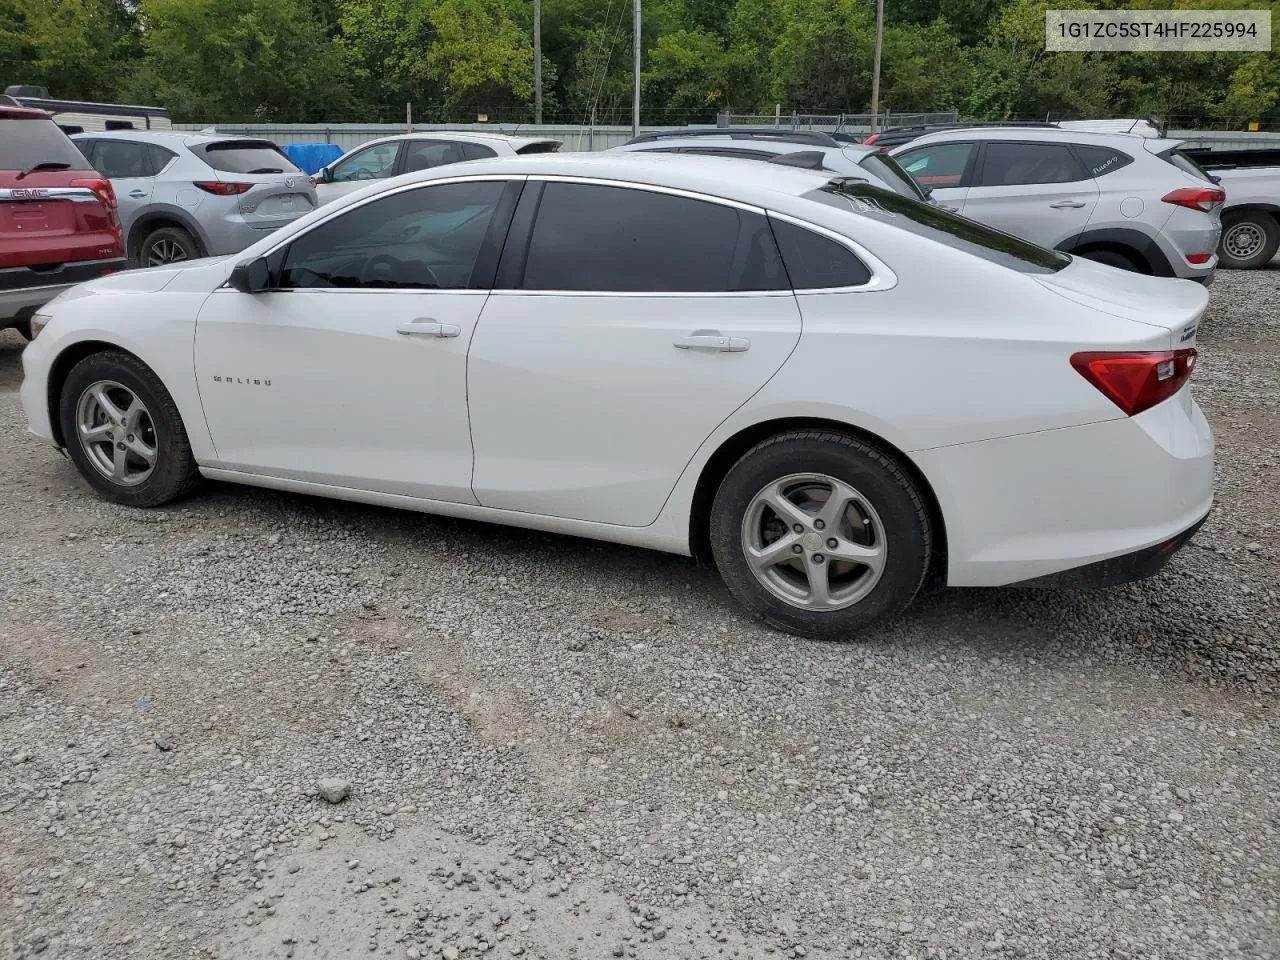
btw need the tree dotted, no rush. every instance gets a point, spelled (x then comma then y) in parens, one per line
(75, 48)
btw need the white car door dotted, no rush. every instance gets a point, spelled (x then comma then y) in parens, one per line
(940, 169)
(350, 369)
(626, 324)
(358, 169)
(1035, 190)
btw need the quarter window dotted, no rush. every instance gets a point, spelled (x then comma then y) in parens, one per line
(423, 239)
(372, 163)
(938, 165)
(597, 238)
(1100, 161)
(1007, 164)
(815, 262)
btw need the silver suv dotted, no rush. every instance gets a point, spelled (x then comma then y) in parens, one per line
(189, 195)
(1129, 201)
(802, 148)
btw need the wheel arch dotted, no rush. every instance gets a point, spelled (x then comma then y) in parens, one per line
(61, 368)
(157, 218)
(1131, 243)
(732, 449)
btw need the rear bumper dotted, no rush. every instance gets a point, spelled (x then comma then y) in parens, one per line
(23, 290)
(1114, 571)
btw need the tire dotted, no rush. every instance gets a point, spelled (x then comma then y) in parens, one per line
(1249, 239)
(882, 511)
(156, 426)
(166, 245)
(1112, 258)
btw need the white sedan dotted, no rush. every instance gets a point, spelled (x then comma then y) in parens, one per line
(826, 388)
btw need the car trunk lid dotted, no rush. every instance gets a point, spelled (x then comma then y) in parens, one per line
(54, 217)
(1173, 306)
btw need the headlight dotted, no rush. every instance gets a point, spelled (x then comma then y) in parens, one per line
(38, 322)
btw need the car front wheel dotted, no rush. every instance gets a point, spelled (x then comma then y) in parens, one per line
(821, 534)
(124, 433)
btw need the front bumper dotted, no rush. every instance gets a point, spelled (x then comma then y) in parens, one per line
(1114, 571)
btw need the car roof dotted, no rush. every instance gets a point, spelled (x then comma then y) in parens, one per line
(23, 113)
(780, 146)
(515, 141)
(1127, 141)
(170, 138)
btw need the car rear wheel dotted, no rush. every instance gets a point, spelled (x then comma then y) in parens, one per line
(821, 534)
(124, 433)
(167, 245)
(1250, 239)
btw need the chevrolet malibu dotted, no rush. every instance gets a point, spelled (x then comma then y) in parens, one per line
(827, 389)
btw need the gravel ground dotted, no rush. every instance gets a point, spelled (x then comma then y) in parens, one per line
(560, 749)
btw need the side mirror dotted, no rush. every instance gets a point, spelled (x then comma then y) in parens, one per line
(253, 276)
(325, 175)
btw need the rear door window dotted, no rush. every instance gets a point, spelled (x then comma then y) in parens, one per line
(941, 226)
(1007, 164)
(425, 154)
(476, 151)
(245, 156)
(25, 142)
(650, 242)
(938, 164)
(1100, 161)
(123, 160)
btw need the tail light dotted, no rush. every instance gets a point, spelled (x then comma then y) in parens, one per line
(220, 188)
(1198, 257)
(872, 139)
(1196, 198)
(1137, 381)
(104, 191)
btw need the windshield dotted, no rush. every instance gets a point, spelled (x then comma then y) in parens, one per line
(890, 171)
(27, 142)
(938, 225)
(246, 156)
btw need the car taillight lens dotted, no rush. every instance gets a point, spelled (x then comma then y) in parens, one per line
(1198, 257)
(100, 186)
(872, 139)
(222, 189)
(1137, 381)
(1196, 198)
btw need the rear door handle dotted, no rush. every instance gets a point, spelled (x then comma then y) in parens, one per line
(137, 194)
(426, 327)
(1067, 204)
(712, 340)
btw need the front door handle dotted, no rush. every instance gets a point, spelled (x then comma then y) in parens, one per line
(947, 207)
(137, 194)
(713, 340)
(1067, 204)
(426, 327)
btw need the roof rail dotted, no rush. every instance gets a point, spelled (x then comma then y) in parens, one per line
(814, 137)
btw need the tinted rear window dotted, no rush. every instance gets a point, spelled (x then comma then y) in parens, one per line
(246, 156)
(938, 225)
(890, 171)
(1184, 163)
(544, 146)
(26, 142)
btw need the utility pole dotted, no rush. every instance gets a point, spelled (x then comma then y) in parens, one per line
(875, 69)
(635, 94)
(537, 61)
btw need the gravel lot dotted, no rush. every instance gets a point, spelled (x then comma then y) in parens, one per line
(562, 749)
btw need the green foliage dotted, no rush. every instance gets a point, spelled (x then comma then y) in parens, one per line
(340, 60)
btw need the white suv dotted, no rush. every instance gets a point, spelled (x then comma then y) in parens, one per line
(1128, 201)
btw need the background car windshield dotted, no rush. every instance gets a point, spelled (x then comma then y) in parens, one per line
(941, 226)
(890, 171)
(247, 156)
(24, 143)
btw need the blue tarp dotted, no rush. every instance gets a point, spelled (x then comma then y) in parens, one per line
(310, 157)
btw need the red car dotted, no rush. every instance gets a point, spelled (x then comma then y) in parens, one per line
(58, 220)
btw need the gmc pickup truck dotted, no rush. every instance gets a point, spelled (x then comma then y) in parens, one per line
(1251, 215)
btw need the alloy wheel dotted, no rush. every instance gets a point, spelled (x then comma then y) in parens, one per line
(814, 542)
(116, 433)
(165, 251)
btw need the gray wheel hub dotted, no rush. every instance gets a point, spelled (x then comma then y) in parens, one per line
(116, 433)
(814, 542)
(165, 250)
(1243, 240)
